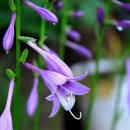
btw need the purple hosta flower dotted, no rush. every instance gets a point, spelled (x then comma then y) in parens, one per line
(74, 35)
(6, 119)
(77, 14)
(44, 13)
(79, 48)
(100, 15)
(121, 24)
(53, 62)
(33, 98)
(47, 49)
(9, 35)
(128, 78)
(58, 4)
(63, 88)
(123, 5)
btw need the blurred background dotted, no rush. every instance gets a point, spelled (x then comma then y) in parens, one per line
(115, 44)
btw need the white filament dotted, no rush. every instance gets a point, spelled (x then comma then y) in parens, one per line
(67, 102)
(119, 28)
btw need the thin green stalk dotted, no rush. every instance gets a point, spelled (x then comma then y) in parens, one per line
(95, 78)
(62, 37)
(16, 116)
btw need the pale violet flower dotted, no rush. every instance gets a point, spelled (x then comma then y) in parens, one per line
(9, 35)
(44, 13)
(63, 88)
(6, 119)
(77, 14)
(33, 98)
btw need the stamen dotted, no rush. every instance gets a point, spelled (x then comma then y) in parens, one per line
(77, 118)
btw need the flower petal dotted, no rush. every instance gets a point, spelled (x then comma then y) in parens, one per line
(77, 78)
(76, 88)
(55, 106)
(54, 77)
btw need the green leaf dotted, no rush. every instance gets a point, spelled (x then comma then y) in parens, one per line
(26, 39)
(24, 56)
(10, 73)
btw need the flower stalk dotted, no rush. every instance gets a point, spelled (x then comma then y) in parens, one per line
(16, 114)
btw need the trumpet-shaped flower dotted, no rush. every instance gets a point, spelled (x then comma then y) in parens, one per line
(9, 35)
(122, 4)
(79, 48)
(6, 119)
(100, 15)
(53, 62)
(44, 13)
(63, 88)
(33, 98)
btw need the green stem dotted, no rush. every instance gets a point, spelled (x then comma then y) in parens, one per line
(62, 37)
(95, 78)
(16, 116)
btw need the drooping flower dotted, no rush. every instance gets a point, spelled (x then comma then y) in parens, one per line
(58, 5)
(63, 88)
(52, 61)
(9, 35)
(33, 98)
(77, 14)
(6, 119)
(122, 4)
(44, 13)
(79, 48)
(128, 78)
(100, 15)
(73, 34)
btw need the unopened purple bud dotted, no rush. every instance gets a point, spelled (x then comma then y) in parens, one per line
(79, 48)
(44, 13)
(100, 15)
(9, 35)
(6, 119)
(77, 14)
(123, 5)
(58, 5)
(33, 98)
(122, 24)
(74, 35)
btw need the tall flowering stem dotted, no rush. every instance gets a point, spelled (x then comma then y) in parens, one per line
(62, 37)
(17, 88)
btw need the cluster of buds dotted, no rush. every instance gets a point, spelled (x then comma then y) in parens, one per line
(119, 24)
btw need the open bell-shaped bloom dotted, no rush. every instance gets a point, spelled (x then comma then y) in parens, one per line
(44, 13)
(9, 35)
(126, 6)
(33, 98)
(53, 62)
(79, 48)
(6, 119)
(100, 15)
(73, 34)
(63, 88)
